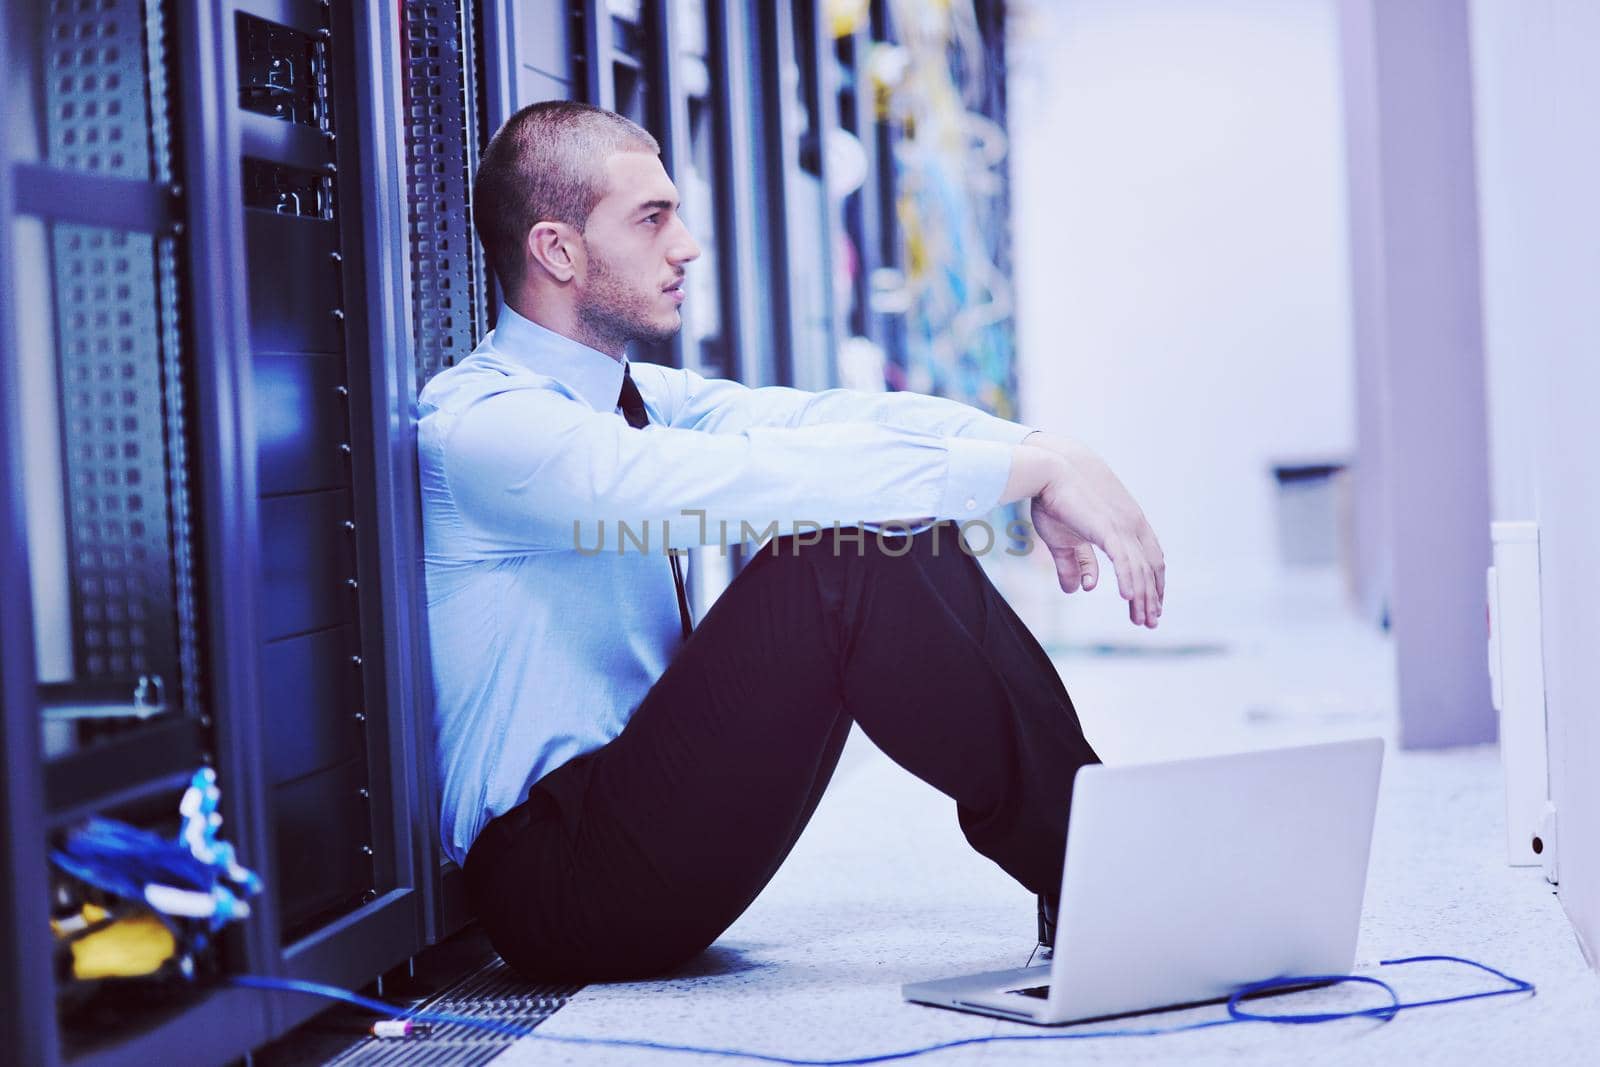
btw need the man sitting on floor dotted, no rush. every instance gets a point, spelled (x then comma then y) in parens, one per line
(618, 783)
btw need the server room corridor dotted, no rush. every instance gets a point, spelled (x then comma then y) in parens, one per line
(312, 317)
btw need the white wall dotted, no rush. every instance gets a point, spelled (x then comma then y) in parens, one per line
(1181, 258)
(1536, 77)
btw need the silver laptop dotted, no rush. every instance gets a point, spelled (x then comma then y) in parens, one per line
(1189, 879)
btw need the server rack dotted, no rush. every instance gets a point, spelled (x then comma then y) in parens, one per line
(445, 120)
(752, 304)
(869, 213)
(806, 115)
(447, 101)
(207, 210)
(94, 221)
(691, 123)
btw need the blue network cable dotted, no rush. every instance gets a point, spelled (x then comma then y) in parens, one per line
(194, 877)
(1236, 1015)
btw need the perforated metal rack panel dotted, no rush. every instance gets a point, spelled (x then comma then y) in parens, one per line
(447, 281)
(117, 353)
(111, 388)
(95, 60)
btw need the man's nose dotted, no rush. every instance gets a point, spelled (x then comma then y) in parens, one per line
(684, 248)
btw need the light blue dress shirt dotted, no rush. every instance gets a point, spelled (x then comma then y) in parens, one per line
(548, 624)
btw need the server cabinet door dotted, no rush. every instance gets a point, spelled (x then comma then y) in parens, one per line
(311, 89)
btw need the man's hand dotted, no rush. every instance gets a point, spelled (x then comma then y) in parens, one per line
(1083, 505)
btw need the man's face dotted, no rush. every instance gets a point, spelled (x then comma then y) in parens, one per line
(637, 247)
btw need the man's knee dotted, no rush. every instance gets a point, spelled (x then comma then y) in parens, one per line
(838, 557)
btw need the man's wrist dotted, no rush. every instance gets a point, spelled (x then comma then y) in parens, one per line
(1032, 469)
(1052, 442)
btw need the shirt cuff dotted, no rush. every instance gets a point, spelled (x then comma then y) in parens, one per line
(976, 474)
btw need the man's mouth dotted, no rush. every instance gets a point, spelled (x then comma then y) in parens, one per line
(675, 291)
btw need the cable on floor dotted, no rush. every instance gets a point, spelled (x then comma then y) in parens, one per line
(1236, 1015)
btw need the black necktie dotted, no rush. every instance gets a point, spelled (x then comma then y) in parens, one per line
(632, 405)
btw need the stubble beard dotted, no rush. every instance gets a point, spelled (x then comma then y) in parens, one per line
(611, 315)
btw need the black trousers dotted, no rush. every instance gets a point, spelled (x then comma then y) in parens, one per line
(630, 860)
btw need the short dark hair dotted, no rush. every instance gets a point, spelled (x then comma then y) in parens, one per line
(546, 164)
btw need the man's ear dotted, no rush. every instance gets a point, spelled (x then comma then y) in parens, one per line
(557, 248)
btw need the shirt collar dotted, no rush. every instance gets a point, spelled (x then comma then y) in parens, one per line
(593, 375)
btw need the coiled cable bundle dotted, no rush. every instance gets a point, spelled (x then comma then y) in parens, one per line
(150, 900)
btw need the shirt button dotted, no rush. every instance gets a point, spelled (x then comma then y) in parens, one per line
(971, 503)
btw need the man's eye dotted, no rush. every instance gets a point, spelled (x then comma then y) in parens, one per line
(654, 217)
